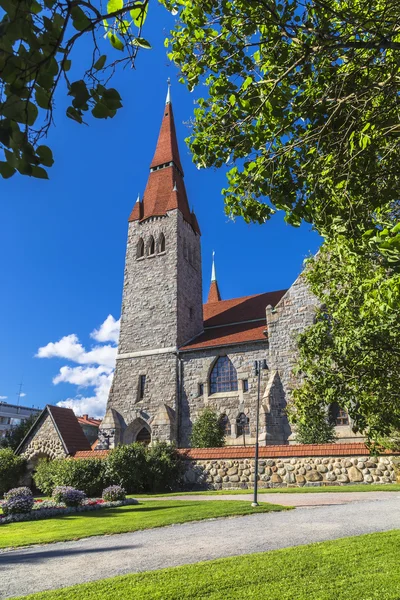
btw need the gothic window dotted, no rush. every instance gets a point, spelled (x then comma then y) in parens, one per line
(338, 415)
(223, 376)
(140, 248)
(144, 437)
(225, 424)
(161, 243)
(152, 246)
(242, 424)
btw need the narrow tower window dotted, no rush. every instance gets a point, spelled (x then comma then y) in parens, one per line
(142, 385)
(161, 243)
(140, 249)
(152, 246)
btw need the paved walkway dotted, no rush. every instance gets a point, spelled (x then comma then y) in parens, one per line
(39, 568)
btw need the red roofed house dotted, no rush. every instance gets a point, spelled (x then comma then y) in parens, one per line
(176, 355)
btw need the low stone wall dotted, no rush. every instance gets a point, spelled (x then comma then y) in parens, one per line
(316, 469)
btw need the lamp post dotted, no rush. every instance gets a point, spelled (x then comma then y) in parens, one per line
(258, 366)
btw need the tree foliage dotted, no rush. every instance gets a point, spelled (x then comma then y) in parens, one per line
(316, 428)
(37, 49)
(207, 431)
(16, 434)
(351, 355)
(303, 102)
(11, 469)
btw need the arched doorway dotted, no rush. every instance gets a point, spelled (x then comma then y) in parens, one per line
(137, 428)
(144, 436)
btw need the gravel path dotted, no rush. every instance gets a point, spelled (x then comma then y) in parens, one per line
(51, 566)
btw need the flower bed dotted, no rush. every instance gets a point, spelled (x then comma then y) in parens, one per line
(44, 509)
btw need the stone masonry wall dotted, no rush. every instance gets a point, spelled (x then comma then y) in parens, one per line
(44, 441)
(291, 472)
(197, 367)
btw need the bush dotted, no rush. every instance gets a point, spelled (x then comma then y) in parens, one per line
(114, 493)
(207, 431)
(19, 491)
(17, 505)
(86, 474)
(11, 469)
(68, 495)
(127, 466)
(164, 468)
(316, 428)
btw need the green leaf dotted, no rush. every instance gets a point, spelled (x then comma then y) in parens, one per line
(232, 99)
(99, 64)
(45, 155)
(142, 43)
(80, 93)
(101, 111)
(112, 99)
(74, 114)
(6, 170)
(39, 173)
(115, 41)
(66, 65)
(79, 19)
(139, 15)
(114, 5)
(42, 98)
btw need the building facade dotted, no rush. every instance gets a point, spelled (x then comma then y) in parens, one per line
(175, 355)
(13, 414)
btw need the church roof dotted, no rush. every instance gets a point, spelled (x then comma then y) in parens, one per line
(235, 321)
(67, 427)
(165, 189)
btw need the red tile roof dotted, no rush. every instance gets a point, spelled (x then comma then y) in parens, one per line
(91, 454)
(213, 294)
(167, 145)
(228, 335)
(86, 420)
(238, 310)
(70, 431)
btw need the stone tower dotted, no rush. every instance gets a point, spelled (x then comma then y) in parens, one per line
(162, 302)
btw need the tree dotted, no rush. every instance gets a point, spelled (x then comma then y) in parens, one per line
(37, 43)
(16, 434)
(11, 469)
(351, 354)
(207, 431)
(316, 428)
(303, 104)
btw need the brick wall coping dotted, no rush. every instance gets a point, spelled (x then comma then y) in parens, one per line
(236, 452)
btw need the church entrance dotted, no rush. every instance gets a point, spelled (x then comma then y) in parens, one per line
(144, 437)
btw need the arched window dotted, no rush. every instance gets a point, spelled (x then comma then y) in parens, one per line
(144, 437)
(161, 243)
(152, 246)
(140, 248)
(242, 425)
(338, 415)
(223, 377)
(225, 424)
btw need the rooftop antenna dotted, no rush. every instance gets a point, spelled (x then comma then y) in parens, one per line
(20, 391)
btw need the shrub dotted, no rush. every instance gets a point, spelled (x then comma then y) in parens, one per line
(164, 468)
(114, 493)
(19, 491)
(127, 466)
(11, 469)
(207, 431)
(17, 505)
(68, 495)
(84, 474)
(316, 428)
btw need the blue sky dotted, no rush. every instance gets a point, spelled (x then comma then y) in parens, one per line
(62, 241)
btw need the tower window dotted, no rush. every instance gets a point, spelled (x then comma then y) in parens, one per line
(152, 246)
(161, 243)
(201, 389)
(190, 313)
(245, 384)
(243, 425)
(140, 249)
(142, 385)
(223, 377)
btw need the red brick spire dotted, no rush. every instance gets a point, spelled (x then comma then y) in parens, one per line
(165, 189)
(213, 294)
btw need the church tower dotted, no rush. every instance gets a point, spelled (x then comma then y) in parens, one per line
(162, 301)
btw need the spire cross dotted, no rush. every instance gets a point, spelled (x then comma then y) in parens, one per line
(168, 99)
(213, 275)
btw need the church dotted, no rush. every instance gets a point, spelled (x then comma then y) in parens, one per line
(176, 355)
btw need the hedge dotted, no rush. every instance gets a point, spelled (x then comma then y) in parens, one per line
(11, 469)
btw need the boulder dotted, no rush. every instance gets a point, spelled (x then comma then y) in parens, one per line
(355, 475)
(276, 478)
(313, 476)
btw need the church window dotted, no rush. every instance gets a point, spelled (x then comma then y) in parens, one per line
(152, 246)
(190, 313)
(243, 425)
(245, 385)
(338, 415)
(161, 243)
(201, 389)
(223, 376)
(142, 385)
(140, 248)
(225, 424)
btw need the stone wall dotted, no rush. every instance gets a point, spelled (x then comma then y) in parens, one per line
(238, 473)
(44, 441)
(196, 369)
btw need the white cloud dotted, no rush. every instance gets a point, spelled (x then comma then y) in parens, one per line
(22, 394)
(3, 397)
(108, 331)
(97, 372)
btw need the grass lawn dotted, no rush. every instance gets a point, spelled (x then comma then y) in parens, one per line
(122, 519)
(384, 487)
(358, 568)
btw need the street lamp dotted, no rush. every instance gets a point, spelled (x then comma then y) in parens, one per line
(258, 366)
